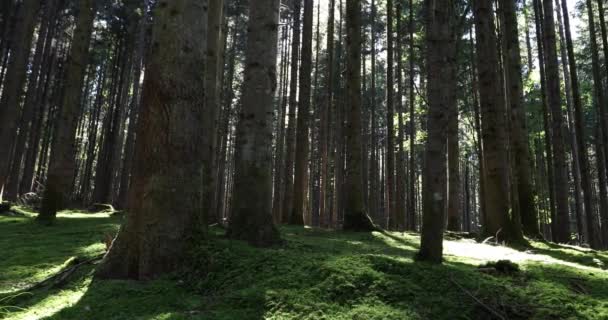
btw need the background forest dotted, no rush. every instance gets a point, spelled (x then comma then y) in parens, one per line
(321, 159)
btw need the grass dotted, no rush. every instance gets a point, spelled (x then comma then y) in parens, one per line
(316, 274)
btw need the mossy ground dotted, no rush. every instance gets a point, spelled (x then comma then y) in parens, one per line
(315, 274)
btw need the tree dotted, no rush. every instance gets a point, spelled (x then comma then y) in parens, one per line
(62, 164)
(580, 131)
(595, 240)
(251, 217)
(302, 143)
(290, 138)
(355, 213)
(390, 135)
(519, 131)
(13, 86)
(166, 186)
(562, 220)
(494, 136)
(440, 45)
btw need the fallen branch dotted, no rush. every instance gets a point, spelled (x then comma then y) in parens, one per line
(485, 306)
(61, 277)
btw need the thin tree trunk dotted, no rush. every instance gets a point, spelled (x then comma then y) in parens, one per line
(302, 142)
(62, 163)
(13, 86)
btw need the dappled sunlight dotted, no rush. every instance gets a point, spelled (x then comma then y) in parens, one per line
(398, 240)
(485, 252)
(52, 304)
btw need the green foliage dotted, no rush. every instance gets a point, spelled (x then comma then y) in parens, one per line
(315, 275)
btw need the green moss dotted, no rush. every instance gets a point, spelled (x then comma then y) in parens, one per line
(316, 274)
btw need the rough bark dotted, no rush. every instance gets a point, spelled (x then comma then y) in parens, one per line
(165, 214)
(355, 213)
(251, 217)
(519, 130)
(493, 127)
(440, 66)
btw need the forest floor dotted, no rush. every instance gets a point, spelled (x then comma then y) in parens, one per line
(315, 274)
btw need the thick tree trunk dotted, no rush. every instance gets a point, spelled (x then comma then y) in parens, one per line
(62, 164)
(440, 46)
(251, 217)
(156, 235)
(519, 130)
(355, 213)
(493, 128)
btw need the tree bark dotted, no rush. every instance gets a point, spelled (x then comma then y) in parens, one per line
(595, 240)
(290, 138)
(156, 235)
(251, 217)
(390, 135)
(355, 213)
(562, 230)
(440, 65)
(493, 128)
(581, 144)
(519, 130)
(302, 142)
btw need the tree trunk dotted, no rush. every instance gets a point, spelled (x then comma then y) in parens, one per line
(412, 118)
(390, 135)
(62, 162)
(355, 215)
(579, 129)
(519, 130)
(156, 236)
(251, 217)
(595, 240)
(302, 143)
(13, 85)
(290, 138)
(324, 187)
(493, 128)
(440, 70)
(562, 220)
(212, 78)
